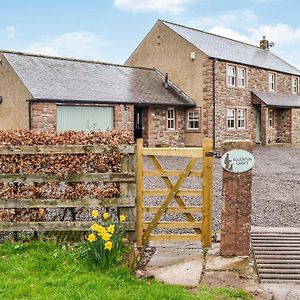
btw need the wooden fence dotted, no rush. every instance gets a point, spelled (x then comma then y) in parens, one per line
(126, 178)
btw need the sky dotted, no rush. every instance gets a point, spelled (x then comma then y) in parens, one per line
(110, 30)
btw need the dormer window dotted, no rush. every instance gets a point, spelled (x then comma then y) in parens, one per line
(272, 82)
(295, 85)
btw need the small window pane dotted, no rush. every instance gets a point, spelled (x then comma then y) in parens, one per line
(171, 118)
(231, 75)
(241, 118)
(230, 118)
(193, 120)
(272, 82)
(241, 77)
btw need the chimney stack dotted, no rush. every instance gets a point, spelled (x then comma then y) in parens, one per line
(264, 43)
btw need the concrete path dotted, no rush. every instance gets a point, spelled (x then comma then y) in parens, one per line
(187, 264)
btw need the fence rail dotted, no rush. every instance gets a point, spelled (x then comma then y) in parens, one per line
(126, 179)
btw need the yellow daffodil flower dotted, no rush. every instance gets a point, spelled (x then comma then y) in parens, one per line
(122, 218)
(111, 229)
(94, 227)
(95, 213)
(91, 238)
(105, 216)
(108, 245)
(106, 236)
(101, 229)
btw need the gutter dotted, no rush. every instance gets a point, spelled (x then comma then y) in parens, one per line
(95, 102)
(30, 114)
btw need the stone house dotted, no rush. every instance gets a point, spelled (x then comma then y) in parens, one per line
(50, 93)
(241, 91)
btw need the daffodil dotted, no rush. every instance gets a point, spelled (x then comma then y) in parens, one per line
(105, 216)
(111, 229)
(91, 238)
(101, 229)
(108, 245)
(122, 218)
(106, 236)
(95, 213)
(94, 227)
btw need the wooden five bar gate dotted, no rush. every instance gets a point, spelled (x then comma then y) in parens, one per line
(202, 229)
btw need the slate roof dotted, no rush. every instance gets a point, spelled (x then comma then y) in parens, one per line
(50, 78)
(277, 100)
(216, 46)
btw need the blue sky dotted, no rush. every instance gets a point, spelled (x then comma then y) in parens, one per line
(109, 30)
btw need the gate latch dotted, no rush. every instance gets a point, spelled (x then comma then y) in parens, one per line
(216, 154)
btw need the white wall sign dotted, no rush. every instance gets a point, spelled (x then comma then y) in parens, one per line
(237, 161)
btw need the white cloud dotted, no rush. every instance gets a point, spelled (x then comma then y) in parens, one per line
(161, 6)
(244, 25)
(228, 32)
(240, 19)
(79, 44)
(11, 31)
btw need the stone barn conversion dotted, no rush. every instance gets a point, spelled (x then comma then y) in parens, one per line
(241, 91)
(47, 93)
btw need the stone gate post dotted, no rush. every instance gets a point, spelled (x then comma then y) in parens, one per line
(236, 202)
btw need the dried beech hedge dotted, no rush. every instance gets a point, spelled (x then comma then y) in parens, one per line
(58, 164)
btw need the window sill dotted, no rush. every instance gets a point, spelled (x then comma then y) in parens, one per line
(193, 130)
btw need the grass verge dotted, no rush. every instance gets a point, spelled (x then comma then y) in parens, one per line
(45, 270)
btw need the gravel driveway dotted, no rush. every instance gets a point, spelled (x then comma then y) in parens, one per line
(276, 186)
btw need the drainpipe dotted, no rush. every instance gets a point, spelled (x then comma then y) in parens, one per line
(214, 102)
(30, 114)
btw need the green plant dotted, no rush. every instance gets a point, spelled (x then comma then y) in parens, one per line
(105, 242)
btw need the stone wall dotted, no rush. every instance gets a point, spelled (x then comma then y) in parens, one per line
(156, 131)
(43, 116)
(296, 125)
(124, 117)
(235, 97)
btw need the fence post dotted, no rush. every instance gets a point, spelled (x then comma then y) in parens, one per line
(128, 190)
(139, 195)
(236, 206)
(207, 193)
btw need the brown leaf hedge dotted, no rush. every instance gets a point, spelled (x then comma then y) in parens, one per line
(58, 164)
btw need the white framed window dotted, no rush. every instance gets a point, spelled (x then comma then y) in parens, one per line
(193, 120)
(231, 74)
(272, 82)
(171, 118)
(241, 118)
(295, 85)
(241, 77)
(236, 118)
(231, 118)
(271, 118)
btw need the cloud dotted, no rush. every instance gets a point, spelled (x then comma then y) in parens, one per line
(11, 32)
(161, 6)
(240, 18)
(79, 44)
(244, 25)
(228, 32)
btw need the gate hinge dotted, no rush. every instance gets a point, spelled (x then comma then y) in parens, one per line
(216, 154)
